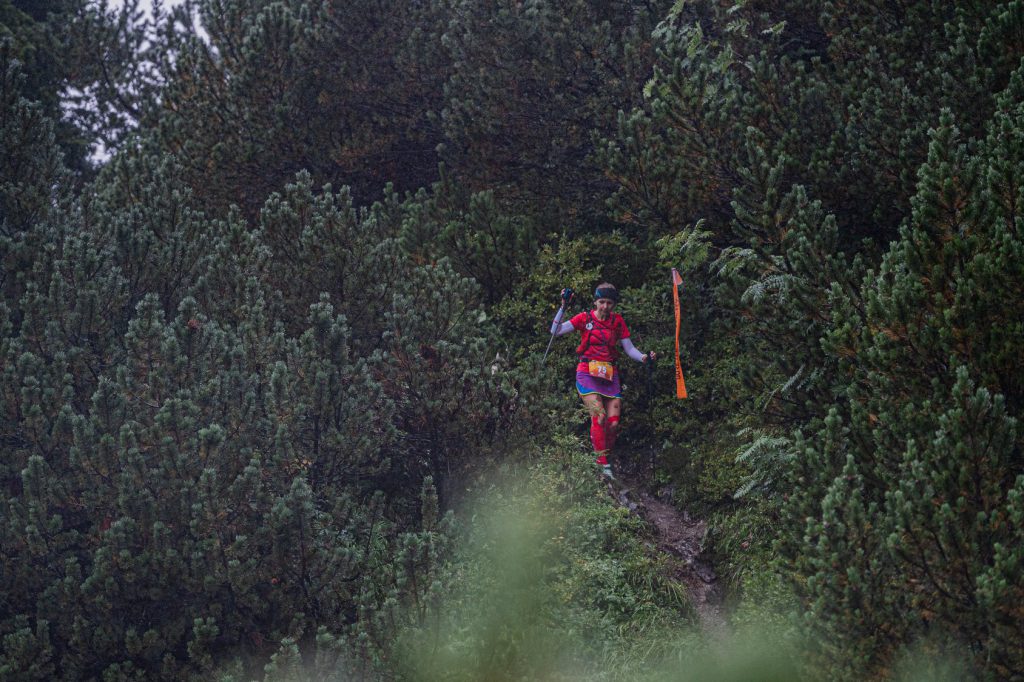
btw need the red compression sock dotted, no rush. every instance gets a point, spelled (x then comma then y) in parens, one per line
(597, 434)
(611, 432)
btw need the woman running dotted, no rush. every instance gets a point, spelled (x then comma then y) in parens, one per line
(597, 378)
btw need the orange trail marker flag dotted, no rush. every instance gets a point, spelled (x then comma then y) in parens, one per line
(680, 382)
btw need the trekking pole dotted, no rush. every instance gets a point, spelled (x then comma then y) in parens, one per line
(567, 296)
(650, 374)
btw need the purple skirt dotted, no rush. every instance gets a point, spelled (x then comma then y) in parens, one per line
(587, 384)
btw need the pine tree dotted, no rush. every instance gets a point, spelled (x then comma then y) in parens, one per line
(530, 84)
(482, 238)
(32, 180)
(89, 68)
(347, 93)
(887, 410)
(186, 478)
(933, 433)
(32, 33)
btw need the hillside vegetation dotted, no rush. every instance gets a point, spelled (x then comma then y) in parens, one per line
(276, 281)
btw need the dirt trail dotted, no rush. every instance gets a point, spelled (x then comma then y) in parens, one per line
(682, 538)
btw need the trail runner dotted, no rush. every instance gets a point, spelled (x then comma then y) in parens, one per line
(597, 377)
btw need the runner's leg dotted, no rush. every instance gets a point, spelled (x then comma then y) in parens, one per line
(613, 407)
(595, 406)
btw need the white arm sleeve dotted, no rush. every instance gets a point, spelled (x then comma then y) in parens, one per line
(631, 350)
(558, 327)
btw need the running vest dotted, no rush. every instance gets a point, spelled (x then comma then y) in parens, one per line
(601, 338)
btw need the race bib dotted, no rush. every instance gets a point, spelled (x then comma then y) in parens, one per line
(601, 370)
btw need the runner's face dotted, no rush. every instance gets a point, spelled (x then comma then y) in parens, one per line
(602, 307)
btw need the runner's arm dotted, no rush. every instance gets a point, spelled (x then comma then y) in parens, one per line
(558, 327)
(631, 350)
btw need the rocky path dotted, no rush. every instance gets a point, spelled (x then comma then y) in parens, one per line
(682, 538)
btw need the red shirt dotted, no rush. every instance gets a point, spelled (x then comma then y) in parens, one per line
(601, 340)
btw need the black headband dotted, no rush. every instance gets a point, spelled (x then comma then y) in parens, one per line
(610, 293)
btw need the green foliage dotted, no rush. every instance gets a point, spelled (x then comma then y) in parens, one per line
(557, 583)
(191, 470)
(32, 180)
(809, 137)
(481, 239)
(238, 395)
(348, 93)
(928, 491)
(89, 69)
(530, 85)
(111, 57)
(321, 243)
(30, 162)
(560, 264)
(382, 93)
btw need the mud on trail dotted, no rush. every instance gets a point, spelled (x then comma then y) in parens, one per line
(681, 537)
